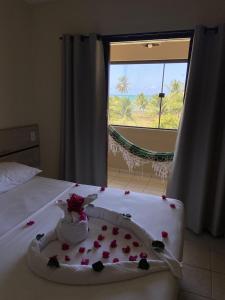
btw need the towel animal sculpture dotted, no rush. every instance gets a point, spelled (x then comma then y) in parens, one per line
(73, 227)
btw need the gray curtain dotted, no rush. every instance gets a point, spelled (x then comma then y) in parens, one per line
(83, 151)
(198, 175)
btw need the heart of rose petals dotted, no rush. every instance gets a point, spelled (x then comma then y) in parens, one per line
(102, 189)
(65, 246)
(96, 244)
(164, 197)
(127, 236)
(172, 205)
(81, 250)
(126, 249)
(84, 261)
(133, 258)
(115, 260)
(115, 230)
(113, 244)
(164, 234)
(143, 255)
(127, 192)
(135, 244)
(104, 227)
(105, 254)
(101, 237)
(67, 258)
(30, 223)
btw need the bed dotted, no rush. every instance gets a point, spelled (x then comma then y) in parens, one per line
(35, 200)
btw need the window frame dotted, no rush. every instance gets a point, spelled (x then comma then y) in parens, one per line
(152, 62)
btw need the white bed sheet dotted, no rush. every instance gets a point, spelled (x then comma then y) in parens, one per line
(17, 282)
(20, 202)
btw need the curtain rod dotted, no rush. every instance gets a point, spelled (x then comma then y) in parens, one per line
(149, 35)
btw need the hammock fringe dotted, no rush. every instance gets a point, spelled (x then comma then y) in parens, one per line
(135, 156)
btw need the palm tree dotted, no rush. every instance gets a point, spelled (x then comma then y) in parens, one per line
(141, 102)
(123, 84)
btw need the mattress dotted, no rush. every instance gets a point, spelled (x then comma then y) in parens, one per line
(151, 212)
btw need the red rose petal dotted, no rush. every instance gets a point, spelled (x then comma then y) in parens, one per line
(126, 249)
(127, 192)
(143, 255)
(113, 244)
(102, 189)
(127, 236)
(173, 206)
(83, 216)
(115, 260)
(105, 254)
(101, 237)
(104, 227)
(81, 250)
(65, 247)
(133, 258)
(30, 223)
(136, 244)
(164, 197)
(96, 244)
(115, 230)
(164, 234)
(67, 258)
(84, 261)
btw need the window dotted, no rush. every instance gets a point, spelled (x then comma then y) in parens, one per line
(147, 94)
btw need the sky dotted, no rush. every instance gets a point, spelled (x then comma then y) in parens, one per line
(146, 78)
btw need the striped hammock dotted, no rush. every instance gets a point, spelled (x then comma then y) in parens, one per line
(135, 156)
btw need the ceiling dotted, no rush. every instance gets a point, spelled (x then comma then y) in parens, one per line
(37, 1)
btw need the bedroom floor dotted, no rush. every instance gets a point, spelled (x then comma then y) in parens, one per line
(204, 256)
(133, 182)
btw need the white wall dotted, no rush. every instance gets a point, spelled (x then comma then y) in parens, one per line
(104, 17)
(16, 101)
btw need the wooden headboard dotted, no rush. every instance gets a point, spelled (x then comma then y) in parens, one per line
(20, 144)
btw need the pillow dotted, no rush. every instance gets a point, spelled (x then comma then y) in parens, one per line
(13, 174)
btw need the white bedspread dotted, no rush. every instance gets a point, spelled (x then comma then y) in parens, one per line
(20, 202)
(151, 212)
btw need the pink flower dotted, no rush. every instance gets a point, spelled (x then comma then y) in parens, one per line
(30, 223)
(83, 216)
(173, 206)
(101, 237)
(104, 227)
(115, 230)
(81, 250)
(102, 189)
(127, 236)
(135, 244)
(75, 203)
(84, 261)
(67, 258)
(126, 249)
(143, 255)
(127, 192)
(164, 197)
(96, 245)
(105, 254)
(164, 234)
(65, 246)
(133, 258)
(115, 260)
(113, 244)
